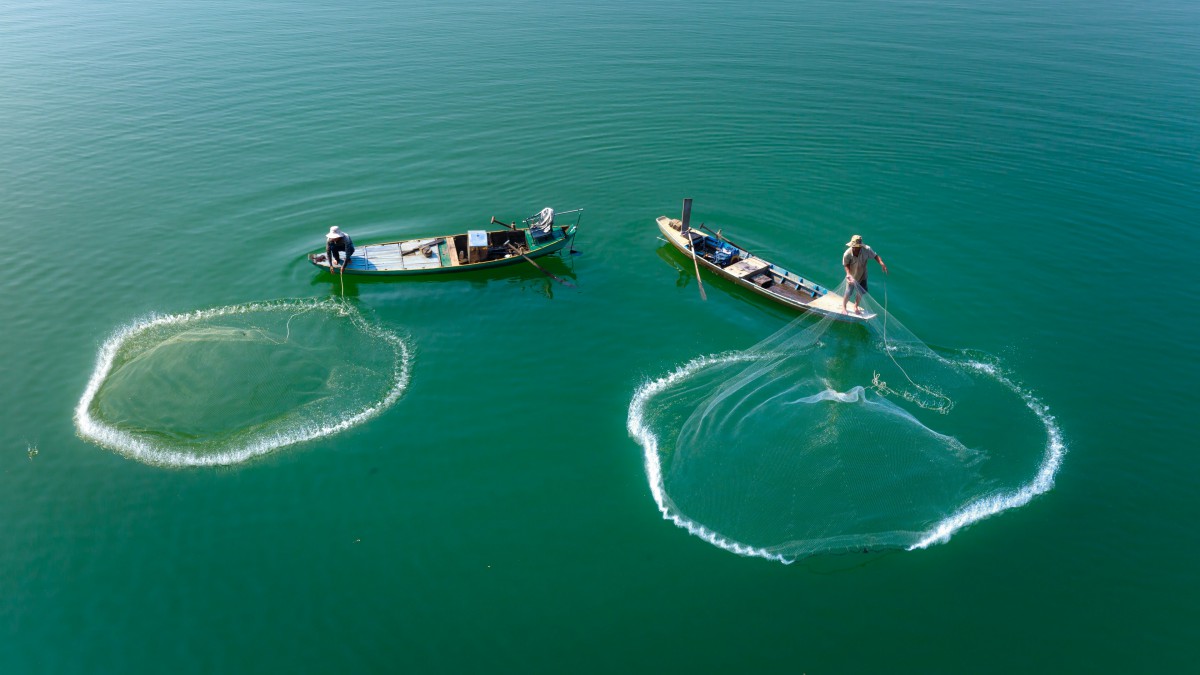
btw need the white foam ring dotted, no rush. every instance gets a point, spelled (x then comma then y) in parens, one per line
(941, 532)
(649, 441)
(1042, 481)
(141, 449)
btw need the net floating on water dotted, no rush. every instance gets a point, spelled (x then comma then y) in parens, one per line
(221, 386)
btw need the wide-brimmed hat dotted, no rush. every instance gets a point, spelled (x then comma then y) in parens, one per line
(855, 241)
(334, 233)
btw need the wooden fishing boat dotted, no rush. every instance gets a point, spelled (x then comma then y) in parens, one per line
(536, 236)
(745, 269)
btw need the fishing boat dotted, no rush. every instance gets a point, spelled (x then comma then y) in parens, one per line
(533, 237)
(729, 261)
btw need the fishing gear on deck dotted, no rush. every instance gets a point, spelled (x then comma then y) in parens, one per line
(425, 249)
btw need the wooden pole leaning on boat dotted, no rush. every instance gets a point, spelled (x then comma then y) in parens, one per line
(501, 222)
(686, 230)
(541, 269)
(696, 263)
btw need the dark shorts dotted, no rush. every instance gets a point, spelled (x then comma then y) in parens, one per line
(858, 286)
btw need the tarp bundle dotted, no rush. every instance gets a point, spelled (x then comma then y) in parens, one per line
(540, 224)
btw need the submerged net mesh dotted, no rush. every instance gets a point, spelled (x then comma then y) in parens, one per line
(831, 437)
(220, 386)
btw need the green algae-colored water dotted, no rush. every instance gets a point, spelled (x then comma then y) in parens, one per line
(1028, 171)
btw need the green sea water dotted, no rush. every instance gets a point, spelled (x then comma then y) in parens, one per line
(1028, 171)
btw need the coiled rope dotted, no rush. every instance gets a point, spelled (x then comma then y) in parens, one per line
(880, 385)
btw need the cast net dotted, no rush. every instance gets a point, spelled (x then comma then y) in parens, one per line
(223, 385)
(832, 437)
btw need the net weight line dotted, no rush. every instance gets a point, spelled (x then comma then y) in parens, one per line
(882, 386)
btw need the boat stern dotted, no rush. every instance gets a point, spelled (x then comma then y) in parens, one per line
(319, 260)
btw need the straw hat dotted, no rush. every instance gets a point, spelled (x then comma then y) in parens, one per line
(855, 241)
(334, 233)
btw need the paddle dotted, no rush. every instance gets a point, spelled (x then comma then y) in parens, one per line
(543, 270)
(699, 282)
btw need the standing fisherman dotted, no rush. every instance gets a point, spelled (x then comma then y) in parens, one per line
(855, 261)
(338, 242)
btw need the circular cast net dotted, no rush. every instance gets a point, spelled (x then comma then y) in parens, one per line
(223, 385)
(830, 437)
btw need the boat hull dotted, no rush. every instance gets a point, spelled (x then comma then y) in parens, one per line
(448, 254)
(760, 276)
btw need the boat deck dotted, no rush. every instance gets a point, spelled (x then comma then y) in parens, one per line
(451, 253)
(402, 255)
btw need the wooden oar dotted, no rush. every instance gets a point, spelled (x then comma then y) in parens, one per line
(543, 270)
(699, 282)
(494, 221)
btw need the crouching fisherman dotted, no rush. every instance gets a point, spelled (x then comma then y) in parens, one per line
(337, 242)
